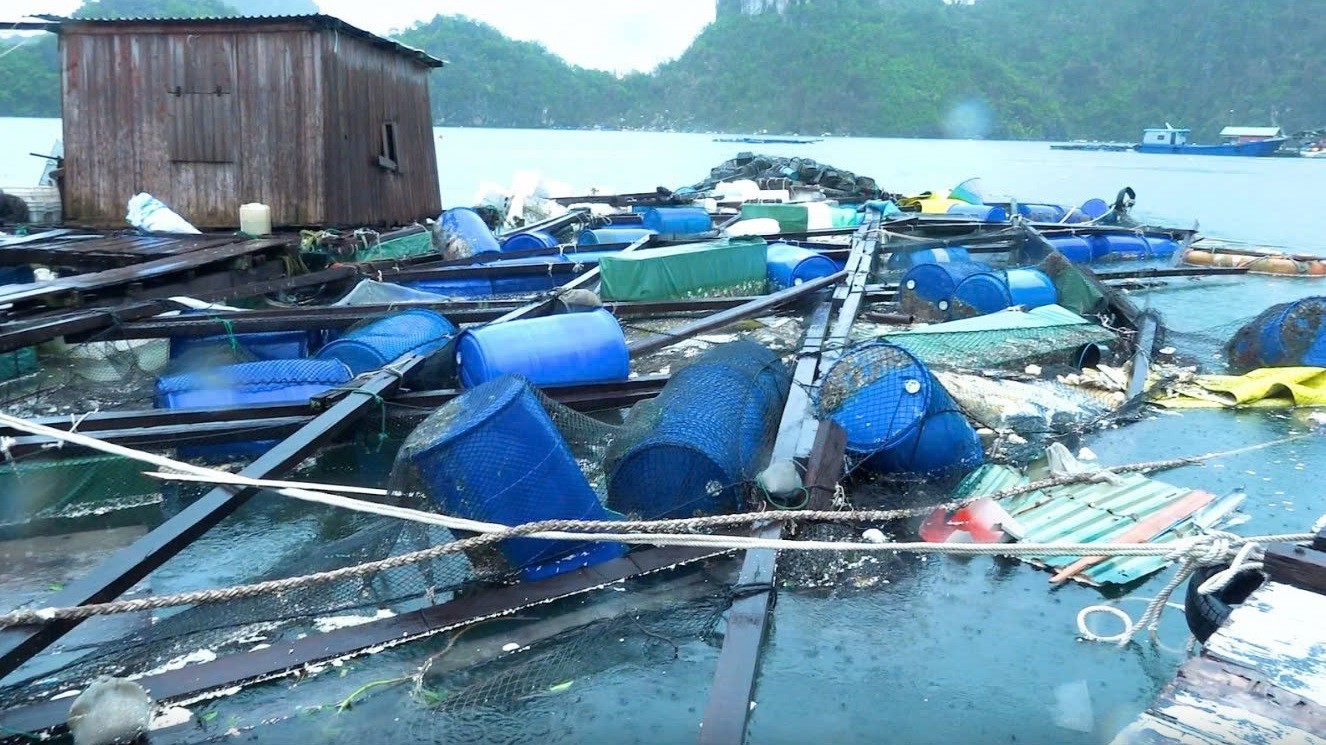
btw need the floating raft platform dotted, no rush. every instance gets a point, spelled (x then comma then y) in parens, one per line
(1262, 675)
(1112, 147)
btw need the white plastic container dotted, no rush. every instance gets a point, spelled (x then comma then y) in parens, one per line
(255, 219)
(150, 214)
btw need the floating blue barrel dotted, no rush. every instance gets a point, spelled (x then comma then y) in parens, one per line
(1283, 335)
(463, 287)
(677, 220)
(704, 437)
(611, 235)
(524, 283)
(1094, 208)
(1075, 248)
(464, 232)
(990, 292)
(789, 265)
(1120, 246)
(493, 454)
(569, 349)
(261, 345)
(246, 384)
(909, 259)
(1161, 247)
(589, 257)
(933, 284)
(982, 212)
(897, 416)
(415, 331)
(1042, 212)
(979, 294)
(528, 239)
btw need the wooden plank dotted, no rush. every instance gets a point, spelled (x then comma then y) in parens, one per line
(1278, 632)
(825, 468)
(262, 664)
(1299, 566)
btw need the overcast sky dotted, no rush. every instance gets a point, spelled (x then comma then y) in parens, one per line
(614, 35)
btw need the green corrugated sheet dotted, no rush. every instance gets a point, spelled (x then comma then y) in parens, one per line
(18, 363)
(717, 269)
(1081, 513)
(415, 244)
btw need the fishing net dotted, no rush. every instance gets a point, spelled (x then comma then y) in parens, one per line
(775, 172)
(1009, 348)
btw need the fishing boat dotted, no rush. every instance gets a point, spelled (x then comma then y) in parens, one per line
(1265, 141)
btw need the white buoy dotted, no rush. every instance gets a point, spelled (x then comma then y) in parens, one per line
(111, 710)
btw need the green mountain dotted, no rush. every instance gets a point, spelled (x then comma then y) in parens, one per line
(1053, 69)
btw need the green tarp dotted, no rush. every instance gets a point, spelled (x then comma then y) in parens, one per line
(415, 244)
(17, 363)
(716, 269)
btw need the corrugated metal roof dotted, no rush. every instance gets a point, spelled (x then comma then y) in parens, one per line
(1251, 132)
(314, 20)
(1083, 513)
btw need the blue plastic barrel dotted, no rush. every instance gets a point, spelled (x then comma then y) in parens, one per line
(464, 232)
(897, 416)
(982, 212)
(933, 284)
(570, 349)
(1161, 247)
(528, 239)
(1094, 208)
(261, 345)
(1075, 248)
(789, 265)
(17, 275)
(979, 294)
(417, 331)
(678, 220)
(611, 235)
(1119, 246)
(589, 257)
(1042, 212)
(909, 259)
(515, 284)
(1284, 335)
(496, 456)
(706, 435)
(1030, 287)
(462, 287)
(246, 384)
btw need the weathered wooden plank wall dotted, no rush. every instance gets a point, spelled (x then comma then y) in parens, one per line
(212, 116)
(368, 87)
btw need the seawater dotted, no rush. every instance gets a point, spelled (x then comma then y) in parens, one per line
(949, 650)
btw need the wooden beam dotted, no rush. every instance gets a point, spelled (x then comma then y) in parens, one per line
(1302, 567)
(825, 468)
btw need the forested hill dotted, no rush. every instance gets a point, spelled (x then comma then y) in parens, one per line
(1053, 69)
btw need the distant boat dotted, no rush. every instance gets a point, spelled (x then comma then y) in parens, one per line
(763, 140)
(1245, 141)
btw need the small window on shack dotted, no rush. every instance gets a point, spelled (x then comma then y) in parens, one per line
(388, 157)
(200, 99)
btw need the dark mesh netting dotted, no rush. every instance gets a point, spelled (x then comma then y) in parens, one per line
(691, 450)
(898, 418)
(1283, 335)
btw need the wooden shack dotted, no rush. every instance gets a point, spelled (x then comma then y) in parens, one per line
(327, 124)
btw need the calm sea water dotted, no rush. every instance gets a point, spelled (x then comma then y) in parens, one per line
(950, 650)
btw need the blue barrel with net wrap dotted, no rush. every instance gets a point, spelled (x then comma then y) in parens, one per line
(898, 418)
(690, 451)
(493, 454)
(416, 331)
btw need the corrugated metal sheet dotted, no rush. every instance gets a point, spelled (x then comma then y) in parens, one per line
(1082, 513)
(312, 20)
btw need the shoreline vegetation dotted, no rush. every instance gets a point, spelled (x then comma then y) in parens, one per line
(997, 69)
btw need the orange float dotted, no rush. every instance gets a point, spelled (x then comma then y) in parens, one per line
(1279, 264)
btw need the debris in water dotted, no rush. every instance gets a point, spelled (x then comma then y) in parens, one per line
(1072, 707)
(111, 710)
